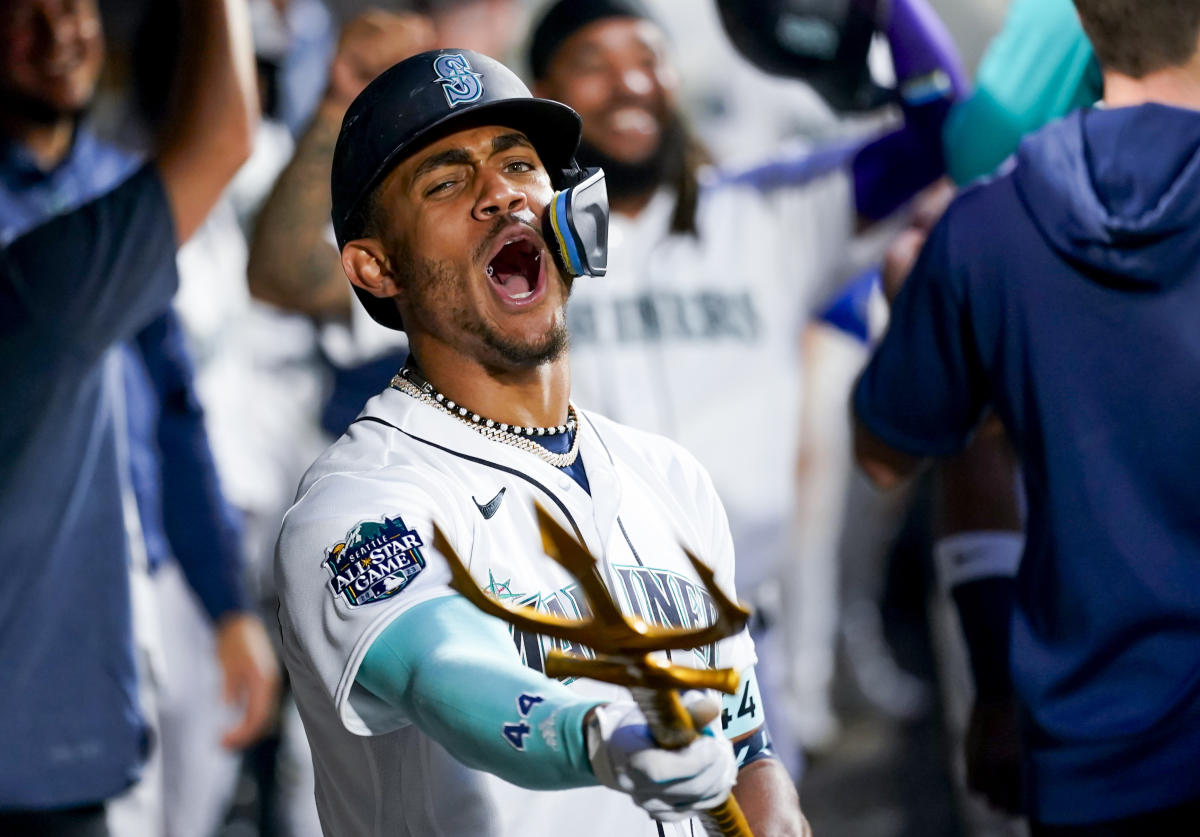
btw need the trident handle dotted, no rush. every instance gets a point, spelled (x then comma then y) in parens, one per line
(672, 728)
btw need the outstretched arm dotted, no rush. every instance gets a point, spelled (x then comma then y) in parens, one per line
(211, 127)
(293, 263)
(428, 664)
(524, 727)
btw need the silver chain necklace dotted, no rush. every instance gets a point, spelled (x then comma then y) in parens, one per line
(518, 437)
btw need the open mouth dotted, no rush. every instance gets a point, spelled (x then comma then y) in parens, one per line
(633, 120)
(516, 271)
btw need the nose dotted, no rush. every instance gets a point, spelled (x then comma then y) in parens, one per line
(61, 24)
(498, 195)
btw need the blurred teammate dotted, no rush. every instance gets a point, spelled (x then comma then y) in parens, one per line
(1057, 295)
(80, 476)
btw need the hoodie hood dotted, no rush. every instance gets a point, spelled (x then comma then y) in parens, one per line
(1118, 191)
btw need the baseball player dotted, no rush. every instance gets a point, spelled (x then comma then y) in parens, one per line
(424, 715)
(1059, 296)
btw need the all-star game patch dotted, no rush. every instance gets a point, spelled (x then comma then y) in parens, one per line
(375, 561)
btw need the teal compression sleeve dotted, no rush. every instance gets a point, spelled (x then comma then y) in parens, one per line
(454, 672)
(1038, 68)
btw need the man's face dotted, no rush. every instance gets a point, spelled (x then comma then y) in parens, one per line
(50, 55)
(616, 75)
(463, 237)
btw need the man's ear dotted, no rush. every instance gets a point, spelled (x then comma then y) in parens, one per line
(367, 266)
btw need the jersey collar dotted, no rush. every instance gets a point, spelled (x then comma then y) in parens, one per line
(433, 425)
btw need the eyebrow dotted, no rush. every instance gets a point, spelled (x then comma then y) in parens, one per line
(460, 157)
(504, 142)
(449, 157)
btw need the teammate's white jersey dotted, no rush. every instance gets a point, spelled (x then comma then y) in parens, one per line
(698, 337)
(373, 495)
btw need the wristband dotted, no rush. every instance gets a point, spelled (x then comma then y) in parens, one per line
(971, 556)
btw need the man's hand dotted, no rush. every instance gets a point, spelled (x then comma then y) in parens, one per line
(993, 753)
(251, 676)
(899, 259)
(669, 784)
(928, 207)
(369, 44)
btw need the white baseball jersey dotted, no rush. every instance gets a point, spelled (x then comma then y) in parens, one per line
(698, 338)
(374, 494)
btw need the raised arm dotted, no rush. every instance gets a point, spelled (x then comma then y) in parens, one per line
(210, 130)
(1040, 67)
(293, 262)
(892, 169)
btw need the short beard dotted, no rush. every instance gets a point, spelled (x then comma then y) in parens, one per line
(634, 180)
(526, 355)
(426, 281)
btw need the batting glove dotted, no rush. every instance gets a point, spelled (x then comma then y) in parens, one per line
(669, 784)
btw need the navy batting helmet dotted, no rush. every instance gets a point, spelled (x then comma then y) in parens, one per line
(419, 101)
(822, 42)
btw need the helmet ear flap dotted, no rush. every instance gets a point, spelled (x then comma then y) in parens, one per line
(576, 223)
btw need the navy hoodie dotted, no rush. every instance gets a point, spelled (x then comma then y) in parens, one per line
(1064, 294)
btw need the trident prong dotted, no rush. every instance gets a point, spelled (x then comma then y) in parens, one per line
(609, 632)
(563, 548)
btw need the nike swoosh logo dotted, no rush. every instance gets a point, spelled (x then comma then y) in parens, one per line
(489, 508)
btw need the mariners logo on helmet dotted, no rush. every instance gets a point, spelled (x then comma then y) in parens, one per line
(375, 561)
(459, 82)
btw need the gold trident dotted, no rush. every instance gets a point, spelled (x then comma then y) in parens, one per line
(623, 646)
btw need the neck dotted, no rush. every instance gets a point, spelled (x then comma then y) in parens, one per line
(632, 205)
(534, 396)
(48, 142)
(1175, 86)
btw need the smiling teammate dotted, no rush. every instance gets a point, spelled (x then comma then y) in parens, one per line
(425, 716)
